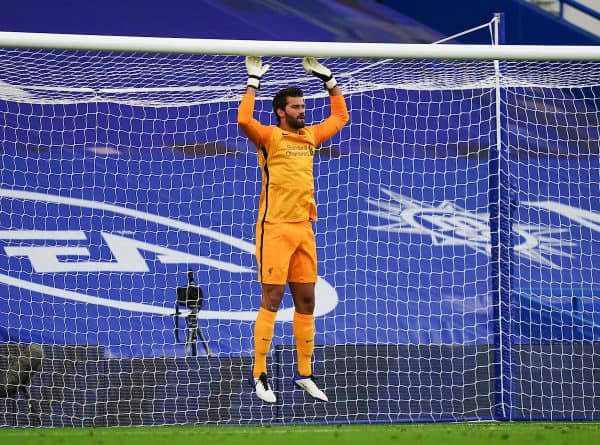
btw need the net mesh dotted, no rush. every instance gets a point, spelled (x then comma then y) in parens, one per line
(122, 171)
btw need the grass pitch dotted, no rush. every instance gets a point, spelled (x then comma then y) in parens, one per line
(488, 433)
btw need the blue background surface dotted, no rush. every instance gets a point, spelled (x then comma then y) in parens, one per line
(393, 287)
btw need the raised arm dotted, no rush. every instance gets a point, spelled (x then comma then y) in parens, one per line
(339, 112)
(252, 128)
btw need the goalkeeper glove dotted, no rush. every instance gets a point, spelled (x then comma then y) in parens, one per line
(255, 70)
(313, 67)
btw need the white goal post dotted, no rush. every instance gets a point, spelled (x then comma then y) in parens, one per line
(296, 49)
(459, 211)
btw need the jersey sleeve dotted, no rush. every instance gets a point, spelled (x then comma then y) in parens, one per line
(258, 133)
(334, 123)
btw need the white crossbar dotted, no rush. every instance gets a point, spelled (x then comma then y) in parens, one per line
(296, 49)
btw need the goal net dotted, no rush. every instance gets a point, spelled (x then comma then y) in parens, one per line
(458, 244)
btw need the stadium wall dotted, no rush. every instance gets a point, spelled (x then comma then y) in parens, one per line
(346, 21)
(525, 23)
(80, 387)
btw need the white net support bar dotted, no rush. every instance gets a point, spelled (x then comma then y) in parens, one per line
(296, 49)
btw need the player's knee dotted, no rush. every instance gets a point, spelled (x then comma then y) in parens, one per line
(305, 304)
(272, 296)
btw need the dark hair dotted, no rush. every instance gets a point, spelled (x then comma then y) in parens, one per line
(280, 99)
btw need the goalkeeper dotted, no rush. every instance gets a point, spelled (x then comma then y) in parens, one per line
(285, 242)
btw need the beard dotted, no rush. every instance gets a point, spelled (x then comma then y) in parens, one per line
(295, 123)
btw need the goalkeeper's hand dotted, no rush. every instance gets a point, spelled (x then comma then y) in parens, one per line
(313, 67)
(255, 70)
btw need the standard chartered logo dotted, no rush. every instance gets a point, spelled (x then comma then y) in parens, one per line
(302, 150)
(46, 252)
(448, 224)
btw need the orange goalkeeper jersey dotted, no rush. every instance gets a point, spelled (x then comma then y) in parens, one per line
(286, 161)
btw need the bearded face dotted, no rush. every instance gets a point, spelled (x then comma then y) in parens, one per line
(293, 114)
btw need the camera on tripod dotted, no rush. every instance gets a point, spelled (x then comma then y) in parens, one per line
(190, 297)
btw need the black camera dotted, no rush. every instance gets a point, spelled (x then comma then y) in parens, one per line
(190, 297)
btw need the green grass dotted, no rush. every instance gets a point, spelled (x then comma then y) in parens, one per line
(489, 433)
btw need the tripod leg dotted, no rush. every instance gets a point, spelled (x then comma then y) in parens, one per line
(192, 337)
(190, 344)
(204, 342)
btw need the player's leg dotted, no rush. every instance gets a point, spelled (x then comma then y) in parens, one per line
(304, 324)
(302, 277)
(272, 254)
(304, 334)
(263, 335)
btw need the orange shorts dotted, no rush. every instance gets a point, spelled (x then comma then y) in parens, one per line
(286, 252)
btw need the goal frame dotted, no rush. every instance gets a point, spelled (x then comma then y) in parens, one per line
(501, 201)
(297, 49)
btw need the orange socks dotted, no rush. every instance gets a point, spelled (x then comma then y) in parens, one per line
(304, 332)
(263, 333)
